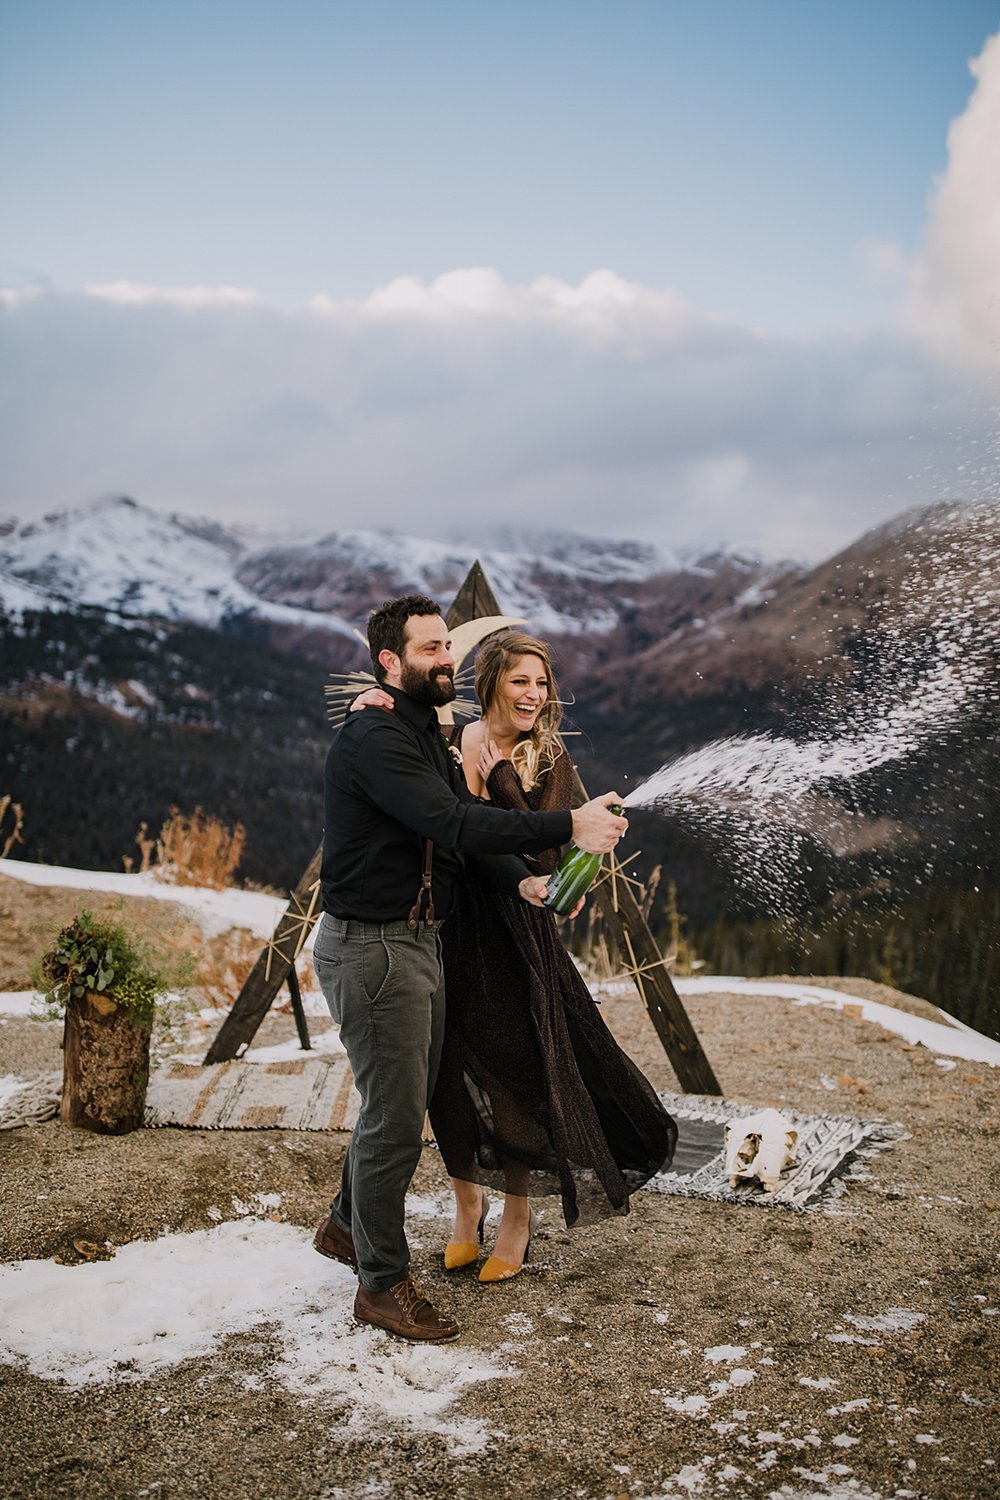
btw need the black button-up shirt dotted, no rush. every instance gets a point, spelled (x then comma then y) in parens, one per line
(391, 783)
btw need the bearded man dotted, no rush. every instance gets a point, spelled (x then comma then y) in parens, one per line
(400, 825)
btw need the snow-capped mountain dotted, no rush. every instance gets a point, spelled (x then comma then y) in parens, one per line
(562, 585)
(138, 563)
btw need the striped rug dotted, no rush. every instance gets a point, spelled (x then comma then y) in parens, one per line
(307, 1093)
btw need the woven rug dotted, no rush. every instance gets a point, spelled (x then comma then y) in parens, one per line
(829, 1148)
(302, 1093)
(319, 1094)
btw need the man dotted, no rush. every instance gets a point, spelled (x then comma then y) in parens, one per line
(400, 824)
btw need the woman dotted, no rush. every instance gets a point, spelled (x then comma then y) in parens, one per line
(534, 1095)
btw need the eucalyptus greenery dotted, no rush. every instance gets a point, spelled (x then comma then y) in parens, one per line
(103, 958)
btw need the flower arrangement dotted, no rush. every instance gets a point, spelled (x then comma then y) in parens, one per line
(101, 958)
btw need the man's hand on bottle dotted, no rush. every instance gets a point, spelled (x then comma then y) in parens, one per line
(534, 888)
(595, 829)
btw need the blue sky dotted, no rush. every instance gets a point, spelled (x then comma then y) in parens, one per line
(770, 167)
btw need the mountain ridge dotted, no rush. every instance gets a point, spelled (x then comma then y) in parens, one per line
(140, 563)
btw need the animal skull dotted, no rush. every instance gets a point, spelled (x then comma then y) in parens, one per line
(760, 1146)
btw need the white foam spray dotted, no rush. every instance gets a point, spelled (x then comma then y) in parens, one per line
(767, 800)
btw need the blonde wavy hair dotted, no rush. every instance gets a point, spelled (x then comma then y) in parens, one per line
(537, 752)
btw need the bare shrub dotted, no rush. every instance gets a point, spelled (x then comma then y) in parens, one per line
(147, 848)
(196, 849)
(11, 823)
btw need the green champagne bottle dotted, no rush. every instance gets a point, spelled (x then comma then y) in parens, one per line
(576, 873)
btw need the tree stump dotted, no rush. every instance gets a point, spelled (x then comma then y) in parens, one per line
(105, 1066)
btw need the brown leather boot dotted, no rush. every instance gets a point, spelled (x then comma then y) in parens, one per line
(335, 1243)
(404, 1310)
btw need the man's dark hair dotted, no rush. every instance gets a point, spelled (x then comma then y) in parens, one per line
(387, 626)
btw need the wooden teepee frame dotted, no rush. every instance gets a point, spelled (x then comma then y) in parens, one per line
(625, 923)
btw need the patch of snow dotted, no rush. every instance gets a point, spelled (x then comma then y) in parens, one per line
(690, 1406)
(753, 596)
(215, 911)
(20, 1003)
(158, 1303)
(954, 1041)
(117, 555)
(691, 1479)
(893, 1320)
(519, 1323)
(326, 1043)
(112, 697)
(559, 1314)
(851, 1490)
(140, 691)
(425, 1206)
(16, 595)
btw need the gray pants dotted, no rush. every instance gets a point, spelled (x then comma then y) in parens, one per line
(385, 989)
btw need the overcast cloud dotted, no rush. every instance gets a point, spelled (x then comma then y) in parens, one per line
(955, 296)
(606, 406)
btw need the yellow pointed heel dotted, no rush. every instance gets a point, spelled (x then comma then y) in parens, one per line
(461, 1253)
(496, 1269)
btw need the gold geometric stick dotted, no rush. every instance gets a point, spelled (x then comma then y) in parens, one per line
(615, 872)
(637, 970)
(304, 919)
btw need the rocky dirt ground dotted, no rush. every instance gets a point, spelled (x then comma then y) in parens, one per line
(693, 1349)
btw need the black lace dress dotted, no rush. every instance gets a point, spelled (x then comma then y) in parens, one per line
(534, 1095)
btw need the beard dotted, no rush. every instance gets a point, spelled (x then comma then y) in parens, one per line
(431, 688)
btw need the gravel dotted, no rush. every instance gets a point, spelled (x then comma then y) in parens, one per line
(607, 1329)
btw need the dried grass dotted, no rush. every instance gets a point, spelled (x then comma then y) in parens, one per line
(11, 824)
(147, 848)
(191, 849)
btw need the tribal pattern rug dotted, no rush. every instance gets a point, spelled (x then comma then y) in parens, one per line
(829, 1148)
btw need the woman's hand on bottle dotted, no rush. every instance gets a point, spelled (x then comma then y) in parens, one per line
(535, 888)
(373, 697)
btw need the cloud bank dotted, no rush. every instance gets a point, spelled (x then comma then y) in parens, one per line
(603, 406)
(955, 298)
